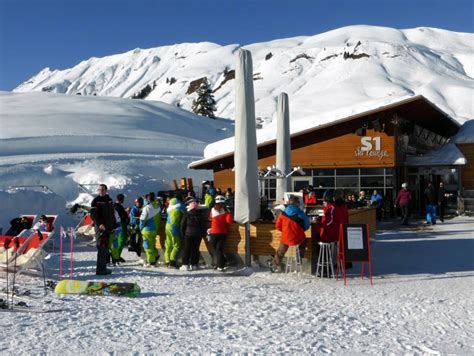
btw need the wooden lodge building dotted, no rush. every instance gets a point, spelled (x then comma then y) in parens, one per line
(376, 149)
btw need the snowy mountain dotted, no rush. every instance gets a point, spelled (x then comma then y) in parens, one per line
(61, 141)
(320, 73)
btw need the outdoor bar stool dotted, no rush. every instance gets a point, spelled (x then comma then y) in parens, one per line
(325, 261)
(293, 257)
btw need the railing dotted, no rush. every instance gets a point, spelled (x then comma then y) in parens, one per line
(43, 188)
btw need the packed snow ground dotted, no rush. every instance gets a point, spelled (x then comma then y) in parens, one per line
(421, 302)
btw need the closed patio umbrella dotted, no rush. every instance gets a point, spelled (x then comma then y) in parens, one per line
(283, 146)
(247, 205)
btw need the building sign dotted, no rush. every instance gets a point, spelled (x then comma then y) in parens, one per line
(371, 147)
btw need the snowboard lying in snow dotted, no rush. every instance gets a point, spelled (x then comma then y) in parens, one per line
(69, 286)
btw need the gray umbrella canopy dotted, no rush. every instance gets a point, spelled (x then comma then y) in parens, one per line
(247, 205)
(283, 146)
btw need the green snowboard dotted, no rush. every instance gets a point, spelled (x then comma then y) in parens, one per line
(70, 286)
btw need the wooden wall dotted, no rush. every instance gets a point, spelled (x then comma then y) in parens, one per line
(467, 171)
(331, 153)
(265, 239)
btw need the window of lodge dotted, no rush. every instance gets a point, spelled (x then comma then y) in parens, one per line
(349, 180)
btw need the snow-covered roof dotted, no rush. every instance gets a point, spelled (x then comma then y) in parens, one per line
(447, 155)
(224, 148)
(465, 134)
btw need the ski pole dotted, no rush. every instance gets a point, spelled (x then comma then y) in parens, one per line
(61, 235)
(6, 244)
(16, 244)
(71, 234)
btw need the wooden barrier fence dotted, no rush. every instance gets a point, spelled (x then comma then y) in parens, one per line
(265, 239)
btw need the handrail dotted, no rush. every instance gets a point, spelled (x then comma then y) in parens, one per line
(43, 187)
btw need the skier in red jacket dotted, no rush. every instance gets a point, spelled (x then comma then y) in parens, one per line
(220, 222)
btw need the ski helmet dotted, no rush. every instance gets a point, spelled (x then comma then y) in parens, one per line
(328, 195)
(220, 199)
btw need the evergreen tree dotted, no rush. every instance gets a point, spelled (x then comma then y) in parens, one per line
(204, 104)
(142, 94)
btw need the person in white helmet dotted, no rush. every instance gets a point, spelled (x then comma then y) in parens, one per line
(220, 222)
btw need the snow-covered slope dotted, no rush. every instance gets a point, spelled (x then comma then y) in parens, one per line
(51, 123)
(320, 73)
(62, 141)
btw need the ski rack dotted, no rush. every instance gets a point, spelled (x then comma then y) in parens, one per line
(44, 188)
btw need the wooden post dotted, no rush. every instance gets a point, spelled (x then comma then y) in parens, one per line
(248, 256)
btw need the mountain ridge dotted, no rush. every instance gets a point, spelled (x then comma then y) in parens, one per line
(337, 68)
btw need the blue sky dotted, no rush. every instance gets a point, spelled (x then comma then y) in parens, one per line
(60, 33)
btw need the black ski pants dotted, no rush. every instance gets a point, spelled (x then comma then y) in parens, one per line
(191, 250)
(405, 213)
(103, 254)
(218, 241)
(442, 209)
(136, 240)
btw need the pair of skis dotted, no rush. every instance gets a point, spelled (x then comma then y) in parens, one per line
(23, 302)
(23, 307)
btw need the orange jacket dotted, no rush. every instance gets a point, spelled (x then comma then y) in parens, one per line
(292, 229)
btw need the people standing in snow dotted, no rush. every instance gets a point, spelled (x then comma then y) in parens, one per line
(135, 233)
(403, 200)
(335, 213)
(146, 199)
(103, 215)
(193, 228)
(209, 197)
(229, 199)
(442, 200)
(292, 223)
(173, 231)
(17, 225)
(149, 223)
(220, 221)
(376, 200)
(121, 233)
(42, 224)
(431, 199)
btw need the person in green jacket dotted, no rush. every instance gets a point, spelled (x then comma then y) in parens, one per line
(209, 197)
(149, 223)
(116, 245)
(173, 233)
